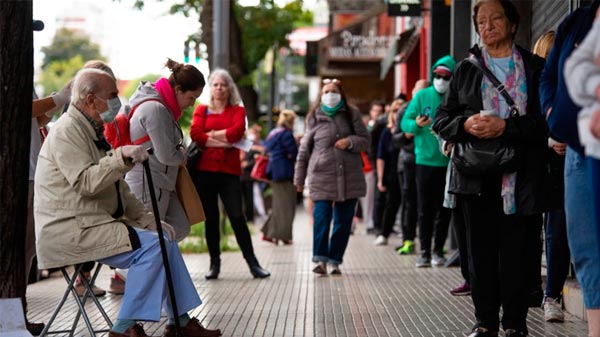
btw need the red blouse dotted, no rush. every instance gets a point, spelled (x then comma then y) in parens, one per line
(232, 119)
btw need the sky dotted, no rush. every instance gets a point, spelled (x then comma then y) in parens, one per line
(135, 42)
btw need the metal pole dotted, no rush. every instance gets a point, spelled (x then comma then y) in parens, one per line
(221, 34)
(273, 83)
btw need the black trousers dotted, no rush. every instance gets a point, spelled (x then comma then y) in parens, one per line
(432, 215)
(498, 260)
(392, 198)
(408, 205)
(211, 186)
(248, 199)
(460, 233)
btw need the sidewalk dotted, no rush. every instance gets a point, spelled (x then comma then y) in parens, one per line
(379, 294)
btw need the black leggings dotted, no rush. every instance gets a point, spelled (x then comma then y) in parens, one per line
(211, 186)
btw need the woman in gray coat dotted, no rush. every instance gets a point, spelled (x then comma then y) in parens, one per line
(329, 157)
(158, 107)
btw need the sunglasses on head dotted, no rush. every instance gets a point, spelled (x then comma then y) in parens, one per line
(331, 80)
(445, 78)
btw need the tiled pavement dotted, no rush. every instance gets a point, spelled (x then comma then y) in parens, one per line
(379, 294)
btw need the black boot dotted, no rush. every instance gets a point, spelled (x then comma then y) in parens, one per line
(213, 273)
(259, 272)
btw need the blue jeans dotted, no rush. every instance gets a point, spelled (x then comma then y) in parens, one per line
(558, 257)
(324, 249)
(146, 287)
(593, 166)
(581, 230)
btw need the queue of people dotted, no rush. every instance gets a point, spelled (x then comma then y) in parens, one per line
(94, 206)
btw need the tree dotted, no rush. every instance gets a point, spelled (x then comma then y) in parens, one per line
(67, 44)
(67, 53)
(253, 30)
(16, 81)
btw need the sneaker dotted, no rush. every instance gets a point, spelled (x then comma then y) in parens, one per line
(423, 262)
(117, 286)
(380, 241)
(320, 268)
(407, 248)
(335, 269)
(80, 290)
(553, 311)
(438, 260)
(122, 273)
(462, 290)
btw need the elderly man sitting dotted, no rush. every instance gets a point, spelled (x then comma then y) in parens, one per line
(84, 211)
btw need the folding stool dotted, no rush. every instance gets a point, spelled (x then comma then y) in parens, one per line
(79, 301)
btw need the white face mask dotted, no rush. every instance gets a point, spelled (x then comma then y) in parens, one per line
(331, 99)
(441, 85)
(114, 105)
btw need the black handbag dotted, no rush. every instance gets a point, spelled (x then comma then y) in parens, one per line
(194, 154)
(488, 156)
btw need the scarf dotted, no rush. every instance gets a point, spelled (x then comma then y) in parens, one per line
(168, 96)
(516, 85)
(330, 112)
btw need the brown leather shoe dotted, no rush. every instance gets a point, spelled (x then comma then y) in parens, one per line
(192, 329)
(137, 330)
(80, 290)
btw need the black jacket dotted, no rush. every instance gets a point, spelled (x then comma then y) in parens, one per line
(531, 130)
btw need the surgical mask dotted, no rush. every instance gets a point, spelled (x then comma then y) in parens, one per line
(441, 85)
(114, 105)
(331, 99)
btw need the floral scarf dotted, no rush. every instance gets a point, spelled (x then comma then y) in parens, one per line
(516, 85)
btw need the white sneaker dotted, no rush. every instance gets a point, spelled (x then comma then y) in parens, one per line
(553, 311)
(320, 268)
(122, 273)
(438, 260)
(334, 269)
(380, 241)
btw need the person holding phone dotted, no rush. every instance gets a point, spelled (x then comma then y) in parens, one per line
(430, 163)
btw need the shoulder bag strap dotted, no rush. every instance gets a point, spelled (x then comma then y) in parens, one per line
(496, 83)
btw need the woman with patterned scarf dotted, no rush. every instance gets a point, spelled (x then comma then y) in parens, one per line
(500, 210)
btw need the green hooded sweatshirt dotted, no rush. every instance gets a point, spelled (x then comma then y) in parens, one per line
(426, 101)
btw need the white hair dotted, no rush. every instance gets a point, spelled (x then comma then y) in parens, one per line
(234, 94)
(87, 81)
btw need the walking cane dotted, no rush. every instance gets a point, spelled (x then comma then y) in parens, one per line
(163, 248)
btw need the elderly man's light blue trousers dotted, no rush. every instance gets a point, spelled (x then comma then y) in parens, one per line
(146, 287)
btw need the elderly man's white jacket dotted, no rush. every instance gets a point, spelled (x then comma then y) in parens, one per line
(76, 196)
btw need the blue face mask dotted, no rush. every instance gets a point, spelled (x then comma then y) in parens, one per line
(114, 105)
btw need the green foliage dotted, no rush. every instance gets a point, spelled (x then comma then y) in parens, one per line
(196, 241)
(67, 44)
(58, 73)
(264, 25)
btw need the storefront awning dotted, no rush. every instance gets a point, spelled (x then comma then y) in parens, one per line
(400, 50)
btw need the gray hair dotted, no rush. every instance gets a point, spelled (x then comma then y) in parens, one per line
(98, 64)
(234, 94)
(87, 81)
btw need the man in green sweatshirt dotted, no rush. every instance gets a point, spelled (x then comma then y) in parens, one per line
(431, 163)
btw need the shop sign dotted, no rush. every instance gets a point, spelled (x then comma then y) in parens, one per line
(404, 7)
(347, 45)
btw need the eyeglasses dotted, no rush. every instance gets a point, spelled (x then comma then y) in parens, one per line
(331, 80)
(445, 78)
